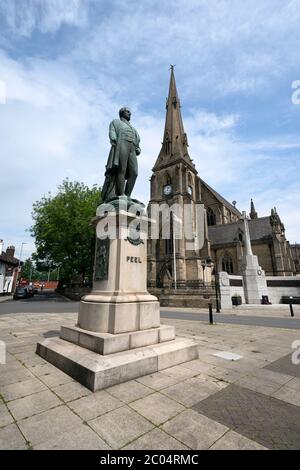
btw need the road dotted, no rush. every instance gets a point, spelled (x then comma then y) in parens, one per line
(50, 302)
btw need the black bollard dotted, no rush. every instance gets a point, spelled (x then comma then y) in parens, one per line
(217, 306)
(211, 320)
(291, 309)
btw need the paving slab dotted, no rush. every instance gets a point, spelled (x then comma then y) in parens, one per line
(288, 394)
(121, 426)
(185, 393)
(157, 408)
(129, 391)
(11, 438)
(227, 375)
(55, 378)
(71, 391)
(179, 372)
(13, 375)
(195, 430)
(259, 384)
(284, 365)
(295, 384)
(42, 369)
(82, 438)
(33, 404)
(234, 441)
(30, 359)
(156, 440)
(157, 381)
(272, 376)
(95, 405)
(22, 389)
(49, 424)
(5, 416)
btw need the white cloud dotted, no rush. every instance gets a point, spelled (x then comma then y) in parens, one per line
(51, 127)
(45, 15)
(208, 123)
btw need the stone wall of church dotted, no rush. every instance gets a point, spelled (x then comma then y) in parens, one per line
(283, 286)
(264, 255)
(231, 252)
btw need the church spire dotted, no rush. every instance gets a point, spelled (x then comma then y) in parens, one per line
(175, 144)
(253, 213)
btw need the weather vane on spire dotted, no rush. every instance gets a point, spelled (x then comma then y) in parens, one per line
(172, 67)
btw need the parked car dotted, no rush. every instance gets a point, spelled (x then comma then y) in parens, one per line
(21, 293)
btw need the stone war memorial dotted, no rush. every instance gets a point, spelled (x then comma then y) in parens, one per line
(118, 335)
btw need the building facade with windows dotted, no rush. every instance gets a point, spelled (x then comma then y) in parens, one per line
(8, 269)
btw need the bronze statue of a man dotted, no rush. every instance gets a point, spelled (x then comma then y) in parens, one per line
(122, 164)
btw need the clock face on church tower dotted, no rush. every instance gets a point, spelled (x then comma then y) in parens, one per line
(167, 189)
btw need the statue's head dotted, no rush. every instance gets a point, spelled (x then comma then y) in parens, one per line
(125, 113)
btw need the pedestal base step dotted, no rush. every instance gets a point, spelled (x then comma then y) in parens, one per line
(107, 343)
(97, 372)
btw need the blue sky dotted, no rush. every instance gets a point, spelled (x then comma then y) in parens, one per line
(69, 65)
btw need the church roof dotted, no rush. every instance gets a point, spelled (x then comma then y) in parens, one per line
(221, 198)
(175, 144)
(260, 229)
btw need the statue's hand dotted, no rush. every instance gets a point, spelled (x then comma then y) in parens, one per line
(137, 150)
(113, 142)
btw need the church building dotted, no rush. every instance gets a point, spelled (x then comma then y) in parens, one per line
(186, 277)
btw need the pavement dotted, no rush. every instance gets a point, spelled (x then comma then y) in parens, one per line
(209, 403)
(4, 298)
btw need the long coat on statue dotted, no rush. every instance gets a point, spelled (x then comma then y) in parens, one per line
(116, 133)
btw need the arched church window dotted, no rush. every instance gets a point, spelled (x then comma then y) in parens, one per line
(168, 179)
(211, 217)
(227, 264)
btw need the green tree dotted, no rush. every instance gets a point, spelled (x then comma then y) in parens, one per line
(62, 229)
(30, 272)
(28, 269)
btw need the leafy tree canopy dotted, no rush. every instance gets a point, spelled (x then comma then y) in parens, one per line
(63, 235)
(30, 272)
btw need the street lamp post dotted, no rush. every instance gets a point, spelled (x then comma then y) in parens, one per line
(19, 264)
(208, 263)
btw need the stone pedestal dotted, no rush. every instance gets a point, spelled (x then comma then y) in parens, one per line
(255, 284)
(118, 336)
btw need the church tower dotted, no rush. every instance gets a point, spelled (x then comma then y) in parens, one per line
(253, 213)
(175, 181)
